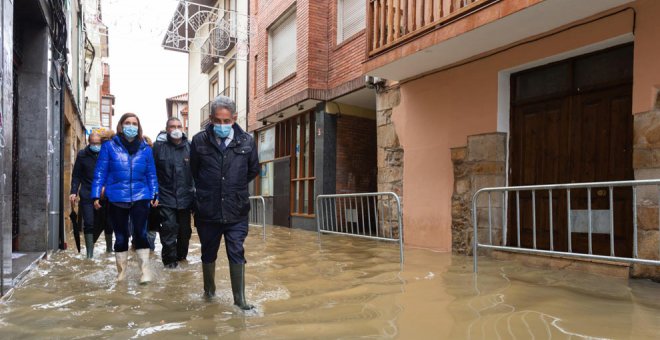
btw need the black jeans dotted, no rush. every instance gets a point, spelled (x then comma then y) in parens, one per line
(138, 212)
(175, 233)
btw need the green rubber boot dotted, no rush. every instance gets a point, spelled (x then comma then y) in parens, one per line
(237, 275)
(89, 245)
(208, 269)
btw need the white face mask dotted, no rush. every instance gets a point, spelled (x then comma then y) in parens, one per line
(176, 134)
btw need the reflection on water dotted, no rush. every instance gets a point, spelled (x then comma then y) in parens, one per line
(345, 288)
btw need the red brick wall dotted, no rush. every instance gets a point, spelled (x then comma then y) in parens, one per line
(321, 64)
(268, 13)
(345, 58)
(356, 155)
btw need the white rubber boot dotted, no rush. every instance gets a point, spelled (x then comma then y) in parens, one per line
(143, 260)
(122, 264)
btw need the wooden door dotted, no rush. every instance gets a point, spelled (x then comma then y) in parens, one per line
(571, 122)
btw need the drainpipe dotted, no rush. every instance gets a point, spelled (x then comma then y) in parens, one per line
(59, 200)
(247, 82)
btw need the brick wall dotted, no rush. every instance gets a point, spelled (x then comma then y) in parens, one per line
(345, 58)
(356, 155)
(321, 63)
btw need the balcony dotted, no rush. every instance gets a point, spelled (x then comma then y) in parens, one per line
(392, 22)
(204, 115)
(220, 42)
(206, 109)
(407, 38)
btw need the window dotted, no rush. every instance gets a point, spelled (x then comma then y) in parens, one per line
(282, 48)
(106, 111)
(350, 18)
(254, 76)
(214, 88)
(231, 16)
(230, 81)
(302, 178)
(105, 120)
(266, 147)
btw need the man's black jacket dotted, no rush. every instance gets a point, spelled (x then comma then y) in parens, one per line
(175, 182)
(222, 176)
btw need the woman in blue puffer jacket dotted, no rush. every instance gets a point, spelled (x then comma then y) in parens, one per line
(125, 167)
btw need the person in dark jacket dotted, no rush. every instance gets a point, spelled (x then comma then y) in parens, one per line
(81, 187)
(175, 183)
(223, 160)
(126, 169)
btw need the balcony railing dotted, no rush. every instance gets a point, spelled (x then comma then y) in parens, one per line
(206, 109)
(204, 115)
(229, 92)
(392, 22)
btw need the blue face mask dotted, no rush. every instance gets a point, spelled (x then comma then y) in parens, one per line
(130, 131)
(222, 130)
(95, 148)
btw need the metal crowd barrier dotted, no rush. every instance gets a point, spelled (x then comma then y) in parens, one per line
(257, 216)
(375, 216)
(592, 221)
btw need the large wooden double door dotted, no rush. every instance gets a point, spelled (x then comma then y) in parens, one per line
(571, 122)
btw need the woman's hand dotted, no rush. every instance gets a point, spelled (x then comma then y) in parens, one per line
(97, 204)
(154, 203)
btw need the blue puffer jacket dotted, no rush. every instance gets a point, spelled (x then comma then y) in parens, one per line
(125, 178)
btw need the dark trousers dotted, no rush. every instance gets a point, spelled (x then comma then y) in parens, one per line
(210, 235)
(138, 212)
(88, 212)
(175, 233)
(93, 218)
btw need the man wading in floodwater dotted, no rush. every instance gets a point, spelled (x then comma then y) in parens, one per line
(223, 160)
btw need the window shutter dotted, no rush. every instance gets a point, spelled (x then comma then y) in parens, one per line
(283, 49)
(352, 15)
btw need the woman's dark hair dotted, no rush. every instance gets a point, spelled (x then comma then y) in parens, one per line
(123, 118)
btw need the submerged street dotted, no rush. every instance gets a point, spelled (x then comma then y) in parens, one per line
(344, 288)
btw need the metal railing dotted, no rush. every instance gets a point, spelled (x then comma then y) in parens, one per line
(590, 222)
(257, 216)
(375, 216)
(204, 114)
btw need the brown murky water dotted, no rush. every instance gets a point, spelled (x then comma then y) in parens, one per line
(346, 288)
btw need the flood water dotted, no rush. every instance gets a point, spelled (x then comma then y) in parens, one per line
(346, 288)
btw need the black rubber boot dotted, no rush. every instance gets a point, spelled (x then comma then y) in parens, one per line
(208, 269)
(89, 245)
(108, 242)
(237, 275)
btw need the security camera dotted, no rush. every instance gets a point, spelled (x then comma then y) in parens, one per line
(374, 82)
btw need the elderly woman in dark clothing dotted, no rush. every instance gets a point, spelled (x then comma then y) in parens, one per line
(81, 187)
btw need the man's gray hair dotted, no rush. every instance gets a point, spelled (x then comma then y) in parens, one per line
(223, 102)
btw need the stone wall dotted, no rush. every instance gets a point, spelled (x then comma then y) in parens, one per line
(389, 150)
(478, 165)
(646, 162)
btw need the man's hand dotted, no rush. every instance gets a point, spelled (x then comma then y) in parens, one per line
(154, 203)
(97, 204)
(73, 198)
